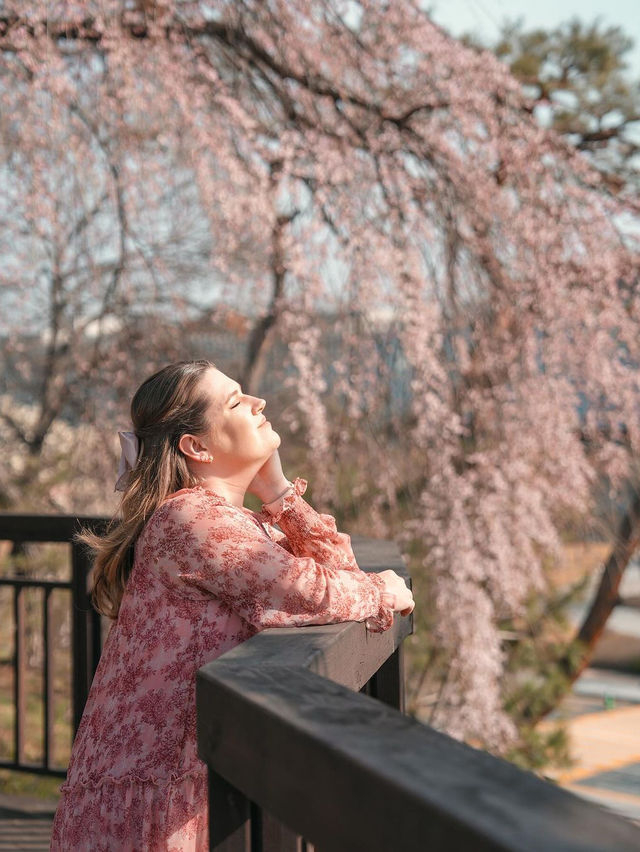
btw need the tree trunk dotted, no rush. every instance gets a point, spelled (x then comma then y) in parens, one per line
(261, 335)
(606, 597)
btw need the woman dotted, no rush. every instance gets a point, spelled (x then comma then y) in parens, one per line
(187, 573)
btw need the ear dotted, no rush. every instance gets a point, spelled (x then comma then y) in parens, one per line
(192, 447)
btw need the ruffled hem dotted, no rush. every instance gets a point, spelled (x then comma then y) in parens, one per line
(288, 501)
(130, 777)
(134, 815)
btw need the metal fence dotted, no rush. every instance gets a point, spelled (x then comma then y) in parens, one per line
(86, 642)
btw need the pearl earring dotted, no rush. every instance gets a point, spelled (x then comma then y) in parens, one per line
(207, 459)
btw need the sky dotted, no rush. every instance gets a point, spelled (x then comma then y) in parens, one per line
(483, 17)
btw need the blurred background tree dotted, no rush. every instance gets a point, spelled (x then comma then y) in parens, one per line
(364, 220)
(578, 78)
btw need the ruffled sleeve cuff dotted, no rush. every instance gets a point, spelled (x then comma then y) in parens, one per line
(273, 511)
(383, 619)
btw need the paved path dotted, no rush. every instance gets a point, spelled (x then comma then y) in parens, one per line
(604, 742)
(25, 823)
(603, 710)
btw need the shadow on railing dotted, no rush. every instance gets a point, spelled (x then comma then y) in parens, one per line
(299, 758)
(85, 630)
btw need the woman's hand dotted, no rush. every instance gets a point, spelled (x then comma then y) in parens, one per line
(397, 596)
(269, 482)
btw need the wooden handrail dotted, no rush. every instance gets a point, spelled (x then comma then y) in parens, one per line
(289, 740)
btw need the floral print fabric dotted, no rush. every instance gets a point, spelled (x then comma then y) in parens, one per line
(206, 576)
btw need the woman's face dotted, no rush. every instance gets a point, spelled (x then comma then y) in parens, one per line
(239, 429)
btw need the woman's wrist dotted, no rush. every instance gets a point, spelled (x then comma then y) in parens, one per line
(279, 492)
(278, 508)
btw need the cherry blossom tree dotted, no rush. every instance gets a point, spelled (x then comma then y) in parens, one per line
(455, 285)
(579, 82)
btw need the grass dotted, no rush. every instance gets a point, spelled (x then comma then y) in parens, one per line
(41, 561)
(28, 784)
(34, 717)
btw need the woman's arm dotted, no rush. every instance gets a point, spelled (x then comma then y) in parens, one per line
(221, 550)
(306, 532)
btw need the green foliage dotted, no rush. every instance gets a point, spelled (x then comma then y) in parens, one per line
(539, 749)
(579, 74)
(562, 56)
(540, 663)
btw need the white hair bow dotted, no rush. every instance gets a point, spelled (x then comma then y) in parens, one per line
(128, 459)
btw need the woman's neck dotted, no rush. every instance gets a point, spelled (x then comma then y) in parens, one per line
(233, 489)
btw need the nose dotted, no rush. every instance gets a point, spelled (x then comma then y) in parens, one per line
(258, 405)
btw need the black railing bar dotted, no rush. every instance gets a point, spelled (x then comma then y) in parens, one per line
(96, 638)
(255, 827)
(35, 769)
(47, 672)
(46, 528)
(18, 674)
(25, 582)
(80, 611)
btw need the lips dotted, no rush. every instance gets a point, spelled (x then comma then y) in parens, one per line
(263, 422)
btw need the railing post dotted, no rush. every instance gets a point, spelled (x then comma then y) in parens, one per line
(47, 675)
(95, 639)
(387, 684)
(19, 673)
(277, 837)
(81, 620)
(229, 817)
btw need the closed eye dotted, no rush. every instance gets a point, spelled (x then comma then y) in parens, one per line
(236, 405)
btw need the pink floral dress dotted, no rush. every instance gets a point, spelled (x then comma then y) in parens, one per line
(206, 576)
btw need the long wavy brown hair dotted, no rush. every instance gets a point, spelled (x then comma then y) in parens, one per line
(165, 406)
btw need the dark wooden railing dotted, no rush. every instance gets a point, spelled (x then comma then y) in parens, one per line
(86, 629)
(307, 744)
(301, 755)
